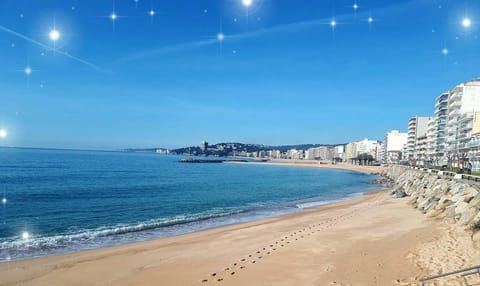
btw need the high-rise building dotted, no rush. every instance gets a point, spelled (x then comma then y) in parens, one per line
(417, 127)
(441, 115)
(431, 139)
(463, 102)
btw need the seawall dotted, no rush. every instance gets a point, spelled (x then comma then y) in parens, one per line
(439, 196)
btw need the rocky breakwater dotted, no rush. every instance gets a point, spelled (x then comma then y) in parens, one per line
(439, 196)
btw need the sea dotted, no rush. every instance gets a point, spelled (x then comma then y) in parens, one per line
(60, 201)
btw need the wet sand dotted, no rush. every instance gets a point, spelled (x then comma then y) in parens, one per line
(371, 240)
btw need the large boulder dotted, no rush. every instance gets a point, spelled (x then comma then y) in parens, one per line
(468, 216)
(475, 222)
(475, 202)
(460, 208)
(450, 211)
(400, 193)
(433, 212)
(443, 203)
(469, 194)
(437, 190)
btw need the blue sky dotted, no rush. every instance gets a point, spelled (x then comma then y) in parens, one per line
(281, 75)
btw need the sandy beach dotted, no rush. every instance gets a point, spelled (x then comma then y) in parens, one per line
(316, 164)
(371, 240)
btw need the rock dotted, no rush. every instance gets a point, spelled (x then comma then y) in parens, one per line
(457, 197)
(450, 211)
(475, 202)
(434, 213)
(460, 207)
(475, 222)
(400, 193)
(467, 216)
(444, 202)
(469, 194)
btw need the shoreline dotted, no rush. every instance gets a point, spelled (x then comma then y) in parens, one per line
(370, 170)
(302, 248)
(252, 215)
(294, 209)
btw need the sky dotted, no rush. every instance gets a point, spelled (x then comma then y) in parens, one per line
(156, 73)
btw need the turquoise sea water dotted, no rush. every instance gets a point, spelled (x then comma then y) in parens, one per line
(73, 200)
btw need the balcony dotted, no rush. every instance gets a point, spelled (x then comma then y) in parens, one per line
(473, 144)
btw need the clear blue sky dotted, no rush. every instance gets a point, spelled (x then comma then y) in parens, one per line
(281, 75)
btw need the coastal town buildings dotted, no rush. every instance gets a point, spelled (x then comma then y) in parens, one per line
(463, 102)
(365, 146)
(450, 137)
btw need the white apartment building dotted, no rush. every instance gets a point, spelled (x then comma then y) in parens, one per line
(350, 151)
(464, 101)
(431, 139)
(417, 127)
(366, 146)
(420, 152)
(380, 152)
(295, 154)
(395, 142)
(339, 152)
(440, 132)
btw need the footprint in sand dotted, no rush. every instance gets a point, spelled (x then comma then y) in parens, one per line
(220, 279)
(204, 280)
(254, 261)
(214, 274)
(233, 273)
(242, 267)
(243, 259)
(260, 257)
